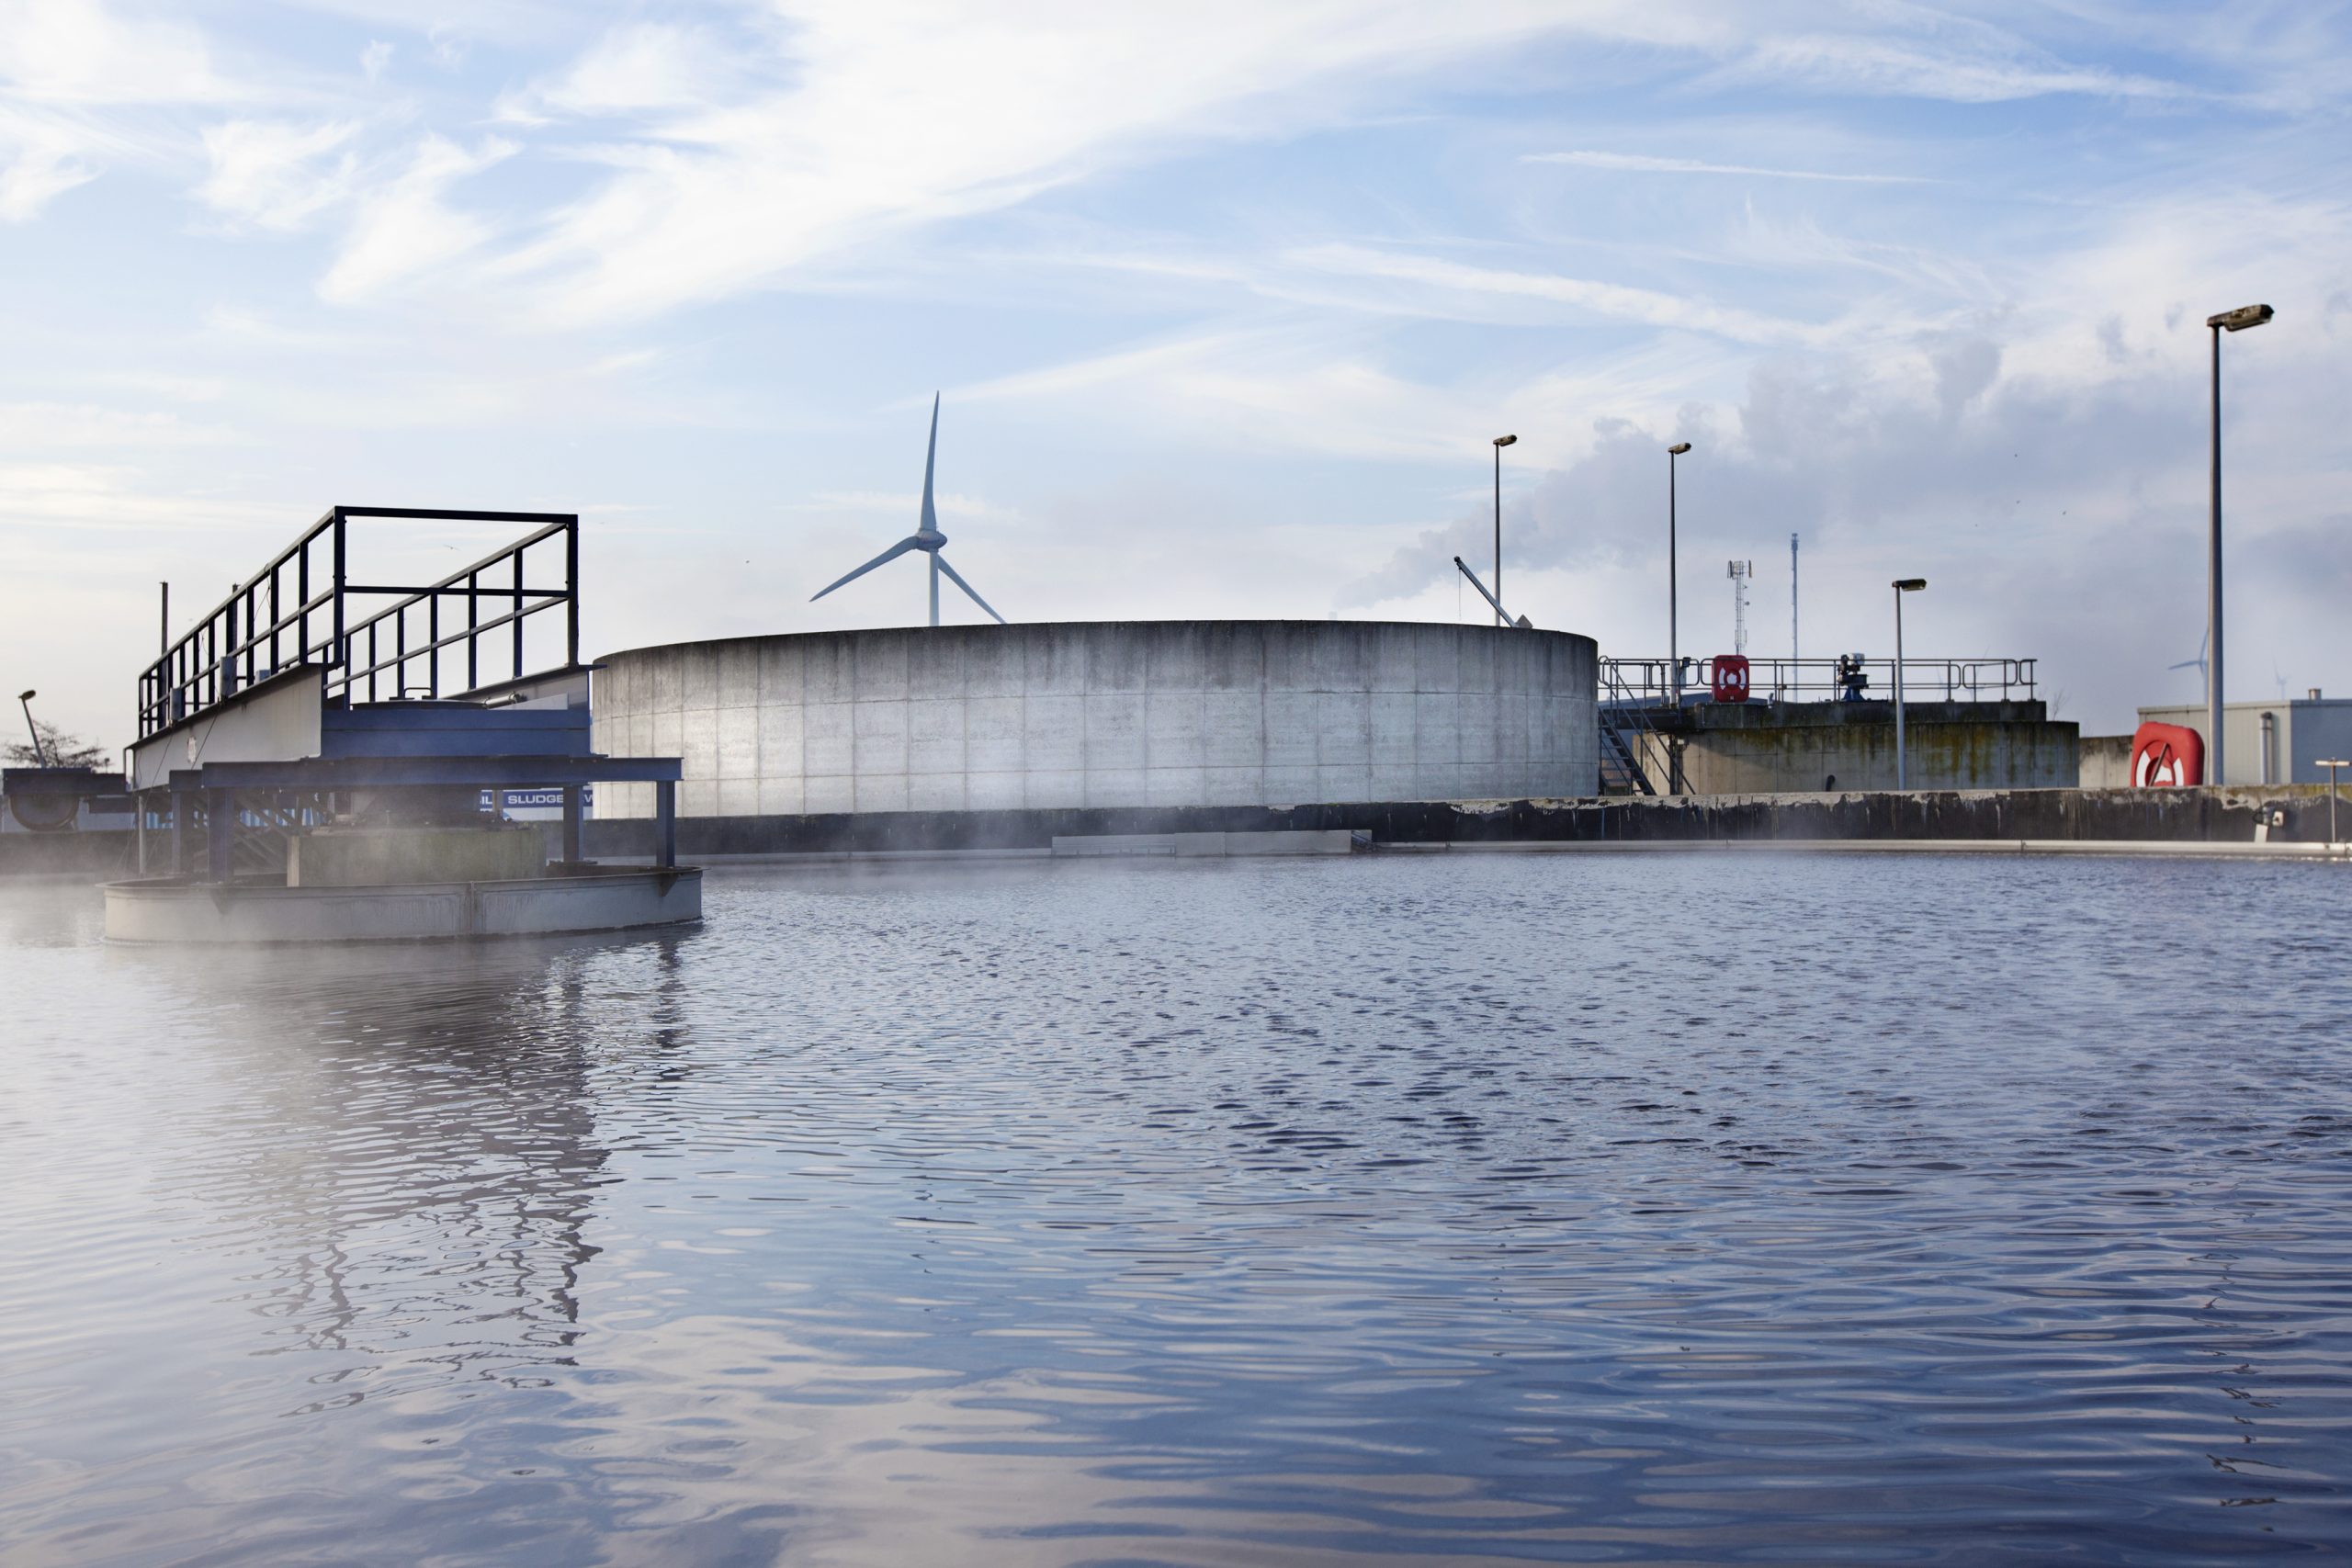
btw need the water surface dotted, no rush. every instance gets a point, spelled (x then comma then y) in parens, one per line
(1468, 1209)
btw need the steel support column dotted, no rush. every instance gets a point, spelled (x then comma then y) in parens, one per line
(570, 824)
(221, 835)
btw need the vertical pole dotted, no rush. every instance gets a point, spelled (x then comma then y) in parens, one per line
(220, 825)
(1900, 779)
(2213, 770)
(571, 592)
(570, 824)
(665, 822)
(934, 585)
(337, 655)
(1792, 613)
(163, 624)
(1498, 536)
(2331, 805)
(183, 831)
(519, 615)
(1673, 595)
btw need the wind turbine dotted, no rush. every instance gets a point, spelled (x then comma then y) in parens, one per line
(926, 538)
(2197, 663)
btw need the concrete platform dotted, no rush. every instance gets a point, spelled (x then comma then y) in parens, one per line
(178, 912)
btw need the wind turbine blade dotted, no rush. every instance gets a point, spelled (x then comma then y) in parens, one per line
(941, 557)
(930, 459)
(893, 553)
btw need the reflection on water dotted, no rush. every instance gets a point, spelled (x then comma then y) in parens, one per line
(1452, 1210)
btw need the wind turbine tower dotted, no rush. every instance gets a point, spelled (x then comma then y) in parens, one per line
(926, 539)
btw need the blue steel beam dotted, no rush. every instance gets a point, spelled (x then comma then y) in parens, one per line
(386, 772)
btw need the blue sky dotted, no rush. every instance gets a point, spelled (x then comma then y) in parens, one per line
(1224, 301)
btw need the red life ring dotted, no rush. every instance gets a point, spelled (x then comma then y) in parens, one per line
(1731, 677)
(2166, 756)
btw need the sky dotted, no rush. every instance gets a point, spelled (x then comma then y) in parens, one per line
(1224, 303)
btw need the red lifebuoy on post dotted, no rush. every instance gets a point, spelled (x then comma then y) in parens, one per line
(2166, 756)
(1731, 678)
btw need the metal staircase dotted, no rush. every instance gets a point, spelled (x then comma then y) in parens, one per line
(1626, 737)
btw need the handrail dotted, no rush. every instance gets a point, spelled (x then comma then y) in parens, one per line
(252, 634)
(1990, 678)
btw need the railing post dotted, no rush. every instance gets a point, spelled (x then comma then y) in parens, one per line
(519, 615)
(571, 824)
(340, 656)
(571, 592)
(219, 829)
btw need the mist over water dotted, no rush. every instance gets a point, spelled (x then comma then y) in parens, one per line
(1684, 1208)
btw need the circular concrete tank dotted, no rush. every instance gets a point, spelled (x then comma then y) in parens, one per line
(1103, 714)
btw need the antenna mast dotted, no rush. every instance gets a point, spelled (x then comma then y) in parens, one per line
(1792, 603)
(1740, 572)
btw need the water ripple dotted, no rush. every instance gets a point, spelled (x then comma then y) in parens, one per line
(1521, 1209)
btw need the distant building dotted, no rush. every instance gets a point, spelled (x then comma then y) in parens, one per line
(2271, 742)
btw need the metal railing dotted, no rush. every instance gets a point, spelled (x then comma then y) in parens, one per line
(299, 610)
(1626, 736)
(1824, 680)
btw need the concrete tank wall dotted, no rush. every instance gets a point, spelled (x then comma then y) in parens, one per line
(1103, 714)
(1764, 748)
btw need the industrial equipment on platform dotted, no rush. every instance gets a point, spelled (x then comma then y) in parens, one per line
(313, 756)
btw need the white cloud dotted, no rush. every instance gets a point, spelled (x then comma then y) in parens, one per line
(404, 229)
(44, 427)
(41, 159)
(374, 59)
(884, 114)
(1648, 307)
(1852, 64)
(79, 52)
(637, 69)
(80, 89)
(1634, 163)
(268, 174)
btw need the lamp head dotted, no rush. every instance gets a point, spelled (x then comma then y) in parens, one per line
(2245, 316)
(27, 697)
(1909, 584)
(1678, 448)
(1505, 440)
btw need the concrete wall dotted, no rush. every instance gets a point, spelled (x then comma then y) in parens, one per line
(2294, 814)
(1102, 715)
(1768, 749)
(2106, 763)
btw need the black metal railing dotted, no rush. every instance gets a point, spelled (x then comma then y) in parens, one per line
(304, 609)
(1830, 680)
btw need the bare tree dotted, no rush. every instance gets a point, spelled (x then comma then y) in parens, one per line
(58, 749)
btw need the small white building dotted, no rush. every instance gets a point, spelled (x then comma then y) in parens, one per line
(2271, 742)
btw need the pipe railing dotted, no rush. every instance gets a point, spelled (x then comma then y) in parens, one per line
(297, 611)
(1649, 680)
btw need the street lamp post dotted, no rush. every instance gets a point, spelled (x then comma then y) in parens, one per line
(1500, 442)
(2331, 764)
(1673, 646)
(24, 700)
(2235, 321)
(1902, 585)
